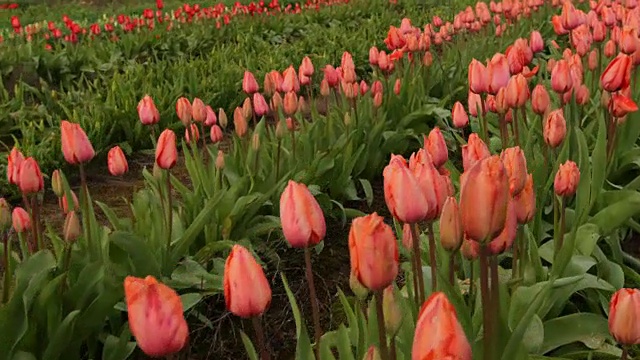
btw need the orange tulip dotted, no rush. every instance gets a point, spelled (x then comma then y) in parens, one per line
(567, 179)
(478, 77)
(71, 229)
(14, 160)
(199, 110)
(21, 220)
(474, 104)
(624, 316)
(240, 122)
(540, 100)
(373, 252)
(64, 204)
(302, 219)
(249, 83)
(459, 115)
(290, 103)
(499, 74)
(474, 151)
(306, 67)
(402, 192)
(438, 333)
(216, 134)
(505, 239)
(516, 165)
(30, 178)
(432, 183)
(437, 147)
(166, 151)
(147, 111)
(622, 105)
(246, 290)
(582, 95)
(484, 199)
(628, 40)
(184, 110)
(617, 75)
(290, 80)
(570, 17)
(599, 31)
(525, 202)
(450, 225)
(76, 147)
(517, 91)
(555, 128)
(561, 80)
(117, 162)
(155, 316)
(535, 41)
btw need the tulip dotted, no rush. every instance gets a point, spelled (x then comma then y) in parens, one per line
(290, 81)
(211, 117)
(76, 147)
(246, 289)
(484, 199)
(247, 109)
(617, 75)
(117, 162)
(392, 311)
(30, 179)
(260, 105)
(450, 225)
(216, 134)
(540, 100)
(478, 77)
(166, 151)
(499, 74)
(474, 104)
(517, 91)
(184, 110)
(21, 220)
(64, 203)
(438, 333)
(459, 115)
(307, 66)
(199, 110)
(628, 40)
(357, 288)
(505, 239)
(222, 118)
(407, 237)
(290, 103)
(624, 316)
(402, 192)
(5, 214)
(373, 252)
(620, 106)
(56, 183)
(470, 249)
(147, 111)
(516, 165)
(302, 219)
(249, 83)
(474, 151)
(535, 42)
(567, 179)
(155, 316)
(525, 202)
(582, 95)
(561, 80)
(501, 105)
(554, 128)
(71, 229)
(397, 87)
(372, 354)
(271, 83)
(437, 147)
(609, 49)
(432, 183)
(220, 160)
(240, 122)
(14, 160)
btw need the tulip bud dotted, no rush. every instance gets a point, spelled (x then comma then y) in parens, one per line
(516, 165)
(499, 73)
(484, 199)
(147, 111)
(220, 160)
(247, 109)
(184, 111)
(536, 42)
(373, 252)
(621, 106)
(525, 202)
(582, 95)
(561, 80)
(347, 119)
(501, 104)
(517, 91)
(396, 87)
(540, 100)
(211, 117)
(427, 59)
(478, 77)
(437, 147)
(555, 128)
(403, 195)
(76, 147)
(433, 184)
(450, 225)
(372, 354)
(117, 162)
(357, 288)
(240, 122)
(624, 312)
(377, 100)
(30, 180)
(71, 227)
(302, 218)
(166, 150)
(64, 203)
(617, 75)
(260, 105)
(290, 103)
(199, 110)
(567, 179)
(5, 214)
(593, 60)
(249, 83)
(407, 237)
(474, 104)
(470, 249)
(507, 236)
(474, 151)
(246, 290)
(222, 118)
(459, 115)
(303, 106)
(14, 160)
(56, 183)
(324, 88)
(392, 311)
(21, 220)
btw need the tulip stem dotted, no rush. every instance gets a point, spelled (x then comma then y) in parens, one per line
(314, 301)
(204, 142)
(418, 262)
(495, 299)
(257, 327)
(85, 203)
(382, 335)
(392, 349)
(516, 128)
(625, 353)
(35, 214)
(562, 222)
(278, 159)
(432, 260)
(452, 268)
(486, 303)
(169, 212)
(24, 246)
(6, 265)
(29, 209)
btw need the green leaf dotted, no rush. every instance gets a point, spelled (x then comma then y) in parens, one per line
(534, 335)
(368, 190)
(143, 261)
(303, 348)
(118, 348)
(615, 215)
(588, 328)
(190, 300)
(63, 336)
(248, 346)
(599, 161)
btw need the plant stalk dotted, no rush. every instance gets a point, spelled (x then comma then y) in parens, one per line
(452, 268)
(278, 159)
(382, 335)
(257, 327)
(169, 211)
(418, 263)
(486, 303)
(495, 299)
(35, 215)
(432, 259)
(6, 265)
(85, 211)
(625, 353)
(314, 300)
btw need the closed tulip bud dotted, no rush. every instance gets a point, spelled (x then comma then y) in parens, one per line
(307, 66)
(392, 311)
(474, 151)
(260, 105)
(240, 122)
(599, 31)
(155, 316)
(290, 103)
(582, 95)
(397, 86)
(324, 88)
(373, 56)
(117, 162)
(276, 102)
(377, 100)
(357, 288)
(622, 105)
(220, 160)
(71, 229)
(14, 160)
(427, 59)
(249, 83)
(246, 290)
(372, 354)
(247, 109)
(517, 91)
(437, 147)
(30, 180)
(433, 184)
(21, 220)
(302, 219)
(216, 134)
(211, 119)
(450, 225)
(147, 111)
(499, 74)
(459, 115)
(407, 237)
(478, 77)
(303, 106)
(628, 40)
(474, 104)
(376, 87)
(222, 118)
(501, 104)
(540, 100)
(525, 202)
(373, 251)
(402, 192)
(199, 110)
(438, 333)
(617, 75)
(166, 150)
(470, 249)
(555, 128)
(291, 123)
(592, 63)
(270, 85)
(64, 203)
(76, 147)
(484, 199)
(624, 313)
(561, 80)
(5, 214)
(184, 111)
(567, 179)
(516, 165)
(609, 49)
(535, 42)
(505, 239)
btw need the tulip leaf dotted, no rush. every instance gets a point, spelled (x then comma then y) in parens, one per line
(588, 328)
(534, 335)
(599, 162)
(588, 235)
(616, 215)
(143, 261)
(248, 346)
(303, 348)
(118, 348)
(190, 300)
(344, 345)
(62, 337)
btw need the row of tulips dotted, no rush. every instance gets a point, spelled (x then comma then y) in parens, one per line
(491, 218)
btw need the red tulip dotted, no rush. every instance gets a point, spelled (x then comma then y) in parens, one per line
(147, 111)
(21, 220)
(30, 179)
(302, 219)
(166, 151)
(617, 75)
(249, 83)
(622, 105)
(246, 290)
(76, 147)
(624, 316)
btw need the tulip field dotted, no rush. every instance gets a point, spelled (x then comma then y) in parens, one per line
(325, 179)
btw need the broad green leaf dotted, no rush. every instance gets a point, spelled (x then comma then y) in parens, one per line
(588, 328)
